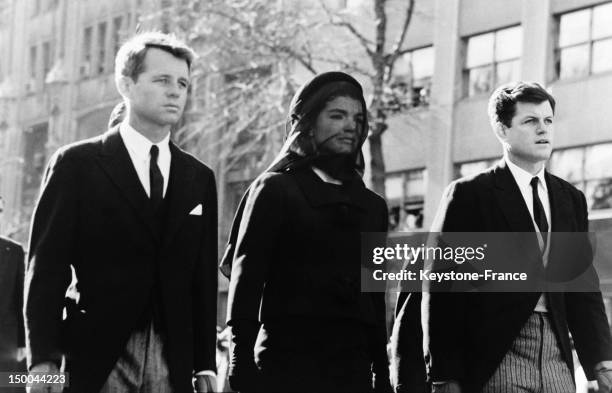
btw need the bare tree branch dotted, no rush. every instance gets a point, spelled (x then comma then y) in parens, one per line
(336, 20)
(260, 38)
(238, 155)
(349, 66)
(397, 48)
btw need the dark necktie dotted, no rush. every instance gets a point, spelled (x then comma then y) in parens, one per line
(539, 215)
(156, 179)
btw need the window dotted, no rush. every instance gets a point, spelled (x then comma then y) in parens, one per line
(36, 7)
(52, 4)
(406, 198)
(492, 59)
(117, 33)
(585, 42)
(590, 170)
(31, 84)
(5, 14)
(471, 168)
(101, 48)
(35, 140)
(412, 79)
(47, 58)
(86, 52)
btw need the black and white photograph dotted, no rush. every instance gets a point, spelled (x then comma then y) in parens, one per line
(377, 196)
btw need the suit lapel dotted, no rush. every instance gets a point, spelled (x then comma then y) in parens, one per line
(560, 208)
(511, 201)
(180, 192)
(116, 162)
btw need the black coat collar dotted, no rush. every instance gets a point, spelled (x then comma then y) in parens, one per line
(511, 200)
(320, 193)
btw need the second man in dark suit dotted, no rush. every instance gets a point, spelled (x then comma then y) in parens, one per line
(516, 342)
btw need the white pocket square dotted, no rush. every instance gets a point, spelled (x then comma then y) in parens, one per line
(197, 211)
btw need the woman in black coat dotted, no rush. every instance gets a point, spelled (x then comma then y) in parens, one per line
(299, 320)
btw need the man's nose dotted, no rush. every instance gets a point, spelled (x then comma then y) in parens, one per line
(173, 90)
(542, 127)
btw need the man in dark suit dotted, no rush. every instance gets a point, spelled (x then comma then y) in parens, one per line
(135, 219)
(11, 304)
(516, 342)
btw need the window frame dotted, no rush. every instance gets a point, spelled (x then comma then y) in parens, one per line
(589, 43)
(493, 80)
(583, 180)
(407, 201)
(415, 99)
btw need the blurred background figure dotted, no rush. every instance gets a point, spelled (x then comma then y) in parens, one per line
(11, 304)
(223, 353)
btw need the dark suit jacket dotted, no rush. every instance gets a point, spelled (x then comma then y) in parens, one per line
(466, 335)
(11, 302)
(298, 255)
(93, 215)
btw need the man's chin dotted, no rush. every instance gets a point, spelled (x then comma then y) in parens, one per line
(169, 120)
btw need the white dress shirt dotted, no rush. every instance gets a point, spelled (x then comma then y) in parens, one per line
(523, 180)
(139, 148)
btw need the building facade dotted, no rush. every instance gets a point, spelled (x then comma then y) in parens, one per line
(471, 47)
(56, 86)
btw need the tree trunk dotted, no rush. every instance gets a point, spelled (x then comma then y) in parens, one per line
(377, 162)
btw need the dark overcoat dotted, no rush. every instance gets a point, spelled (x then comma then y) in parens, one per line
(298, 258)
(95, 217)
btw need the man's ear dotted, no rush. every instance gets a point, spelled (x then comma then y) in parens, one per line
(501, 131)
(124, 85)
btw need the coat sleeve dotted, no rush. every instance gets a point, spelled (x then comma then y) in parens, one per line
(51, 252)
(205, 284)
(586, 318)
(380, 364)
(443, 312)
(255, 248)
(407, 364)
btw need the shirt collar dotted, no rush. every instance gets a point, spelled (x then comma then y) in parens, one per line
(522, 177)
(139, 144)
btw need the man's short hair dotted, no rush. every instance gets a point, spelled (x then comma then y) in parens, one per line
(502, 104)
(130, 57)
